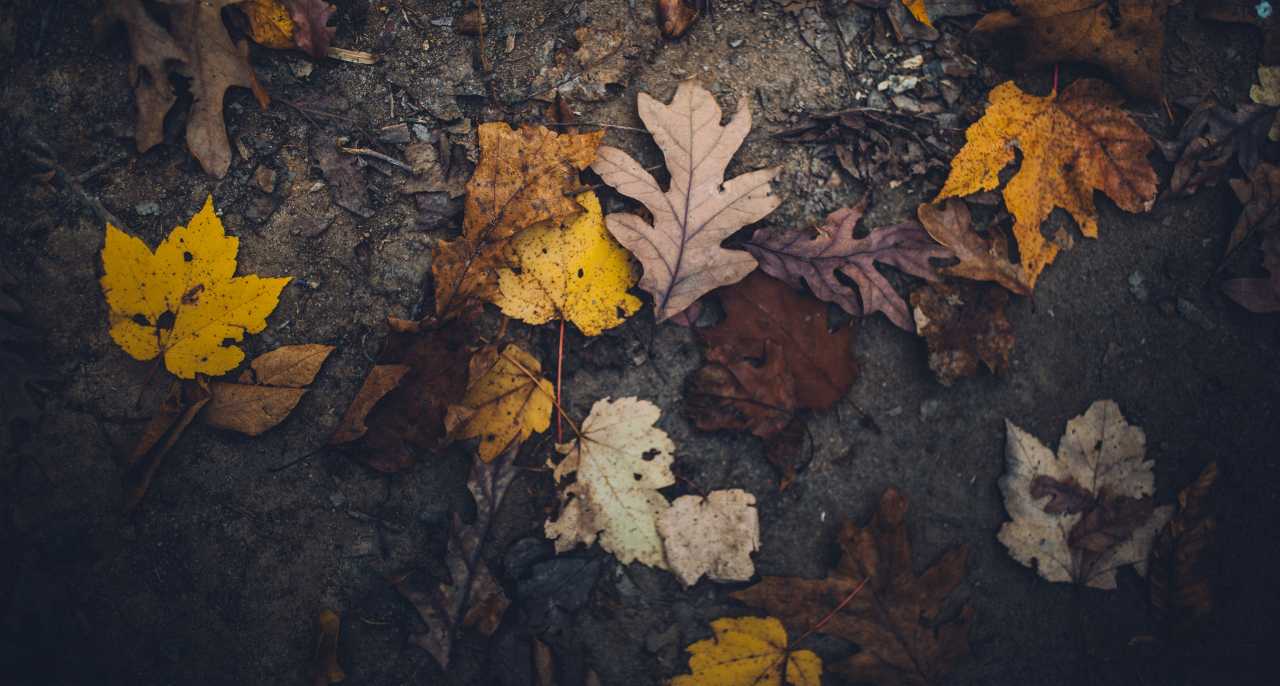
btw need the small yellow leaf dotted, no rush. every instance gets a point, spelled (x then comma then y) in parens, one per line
(269, 23)
(184, 301)
(749, 651)
(919, 11)
(578, 273)
(506, 401)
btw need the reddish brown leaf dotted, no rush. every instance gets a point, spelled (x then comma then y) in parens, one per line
(675, 17)
(799, 256)
(380, 381)
(964, 324)
(179, 408)
(311, 32)
(1179, 583)
(1260, 196)
(1211, 137)
(904, 635)
(980, 259)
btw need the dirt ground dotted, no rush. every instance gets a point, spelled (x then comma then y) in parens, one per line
(218, 577)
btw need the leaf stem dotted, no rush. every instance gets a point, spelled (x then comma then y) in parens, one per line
(559, 371)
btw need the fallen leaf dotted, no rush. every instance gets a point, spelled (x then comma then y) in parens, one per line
(1125, 37)
(506, 401)
(269, 23)
(1261, 295)
(577, 273)
(918, 10)
(180, 406)
(675, 17)
(198, 47)
(1252, 12)
(1267, 92)
(883, 148)
(1211, 137)
(585, 74)
(980, 259)
(620, 460)
(1084, 514)
(714, 536)
(681, 250)
(1260, 196)
(327, 671)
(799, 257)
(382, 379)
(342, 173)
(267, 392)
(1072, 143)
(964, 325)
(897, 619)
(520, 181)
(471, 597)
(183, 301)
(749, 651)
(311, 32)
(1178, 583)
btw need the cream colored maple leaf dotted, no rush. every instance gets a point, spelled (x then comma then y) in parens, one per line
(714, 535)
(620, 461)
(1100, 459)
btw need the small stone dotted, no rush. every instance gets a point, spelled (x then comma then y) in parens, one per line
(929, 409)
(443, 22)
(301, 68)
(1195, 315)
(394, 133)
(897, 410)
(424, 134)
(337, 499)
(736, 42)
(265, 177)
(913, 62)
(147, 209)
(1138, 286)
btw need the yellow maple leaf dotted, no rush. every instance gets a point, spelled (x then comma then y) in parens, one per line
(919, 11)
(749, 651)
(1072, 144)
(578, 273)
(269, 23)
(184, 301)
(506, 402)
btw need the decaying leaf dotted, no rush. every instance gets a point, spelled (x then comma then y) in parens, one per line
(327, 670)
(506, 401)
(183, 301)
(619, 460)
(266, 392)
(1072, 143)
(577, 273)
(980, 259)
(681, 250)
(800, 257)
(1260, 196)
(382, 379)
(897, 619)
(471, 597)
(877, 146)
(409, 414)
(1084, 514)
(180, 406)
(1211, 137)
(1267, 92)
(1178, 582)
(1125, 37)
(1253, 12)
(585, 74)
(1261, 295)
(965, 326)
(772, 355)
(311, 31)
(749, 651)
(521, 181)
(675, 17)
(195, 45)
(269, 23)
(715, 536)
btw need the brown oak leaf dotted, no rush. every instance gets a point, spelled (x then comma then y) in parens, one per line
(681, 250)
(964, 325)
(1178, 581)
(898, 620)
(1125, 37)
(799, 256)
(980, 259)
(524, 177)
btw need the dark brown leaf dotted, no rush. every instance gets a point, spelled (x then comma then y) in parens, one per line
(1179, 584)
(380, 381)
(343, 175)
(311, 31)
(1211, 138)
(980, 259)
(675, 17)
(1065, 497)
(179, 408)
(964, 324)
(1260, 196)
(1261, 295)
(897, 620)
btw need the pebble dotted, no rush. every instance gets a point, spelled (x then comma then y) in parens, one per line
(1195, 315)
(147, 209)
(913, 62)
(1138, 286)
(929, 409)
(736, 42)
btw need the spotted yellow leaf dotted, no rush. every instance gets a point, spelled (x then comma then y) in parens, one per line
(269, 23)
(749, 651)
(184, 301)
(506, 401)
(576, 272)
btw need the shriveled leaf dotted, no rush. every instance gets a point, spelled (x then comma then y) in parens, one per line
(980, 259)
(799, 257)
(267, 392)
(749, 651)
(269, 23)
(585, 74)
(382, 379)
(1260, 196)
(311, 32)
(675, 17)
(714, 536)
(965, 326)
(183, 402)
(1125, 37)
(471, 597)
(897, 618)
(327, 670)
(1261, 295)
(577, 273)
(1072, 144)
(1211, 138)
(1080, 516)
(183, 301)
(1179, 584)
(521, 181)
(681, 251)
(619, 462)
(506, 401)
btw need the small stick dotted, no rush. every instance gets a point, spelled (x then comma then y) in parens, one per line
(365, 152)
(71, 181)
